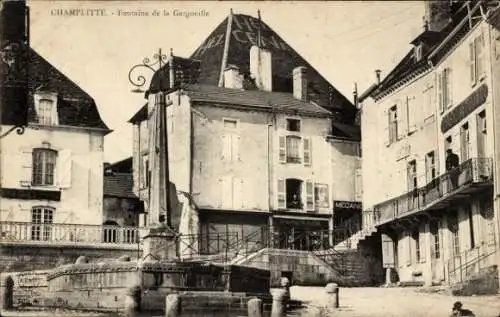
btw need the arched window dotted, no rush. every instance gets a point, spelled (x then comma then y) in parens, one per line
(42, 219)
(44, 164)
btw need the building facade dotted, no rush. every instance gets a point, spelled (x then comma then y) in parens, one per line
(52, 174)
(257, 152)
(429, 145)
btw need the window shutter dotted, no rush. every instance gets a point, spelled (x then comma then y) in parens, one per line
(358, 184)
(64, 165)
(235, 139)
(237, 193)
(385, 127)
(307, 151)
(227, 195)
(481, 67)
(449, 86)
(281, 197)
(439, 92)
(282, 149)
(402, 119)
(226, 147)
(472, 63)
(26, 167)
(309, 196)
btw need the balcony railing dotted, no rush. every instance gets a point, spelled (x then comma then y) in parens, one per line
(68, 234)
(475, 171)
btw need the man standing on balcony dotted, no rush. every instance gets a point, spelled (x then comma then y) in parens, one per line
(452, 163)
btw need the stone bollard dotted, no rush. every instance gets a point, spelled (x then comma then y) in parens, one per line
(278, 308)
(332, 291)
(255, 307)
(8, 293)
(285, 284)
(172, 305)
(133, 301)
(130, 306)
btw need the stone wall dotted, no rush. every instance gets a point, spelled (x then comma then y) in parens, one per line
(102, 286)
(38, 257)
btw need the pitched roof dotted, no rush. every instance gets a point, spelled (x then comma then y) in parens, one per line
(210, 59)
(119, 185)
(75, 107)
(439, 43)
(123, 166)
(254, 99)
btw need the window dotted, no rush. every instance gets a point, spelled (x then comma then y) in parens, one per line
(41, 219)
(412, 114)
(418, 52)
(447, 144)
(45, 112)
(464, 142)
(293, 149)
(436, 247)
(230, 124)
(428, 102)
(430, 166)
(44, 163)
(481, 134)
(471, 226)
(293, 125)
(412, 175)
(293, 193)
(230, 140)
(444, 89)
(393, 124)
(416, 239)
(476, 59)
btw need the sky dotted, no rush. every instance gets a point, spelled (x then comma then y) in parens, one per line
(346, 41)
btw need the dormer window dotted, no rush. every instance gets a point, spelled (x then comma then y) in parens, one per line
(293, 125)
(46, 108)
(417, 50)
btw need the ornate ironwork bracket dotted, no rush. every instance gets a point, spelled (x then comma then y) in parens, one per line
(15, 56)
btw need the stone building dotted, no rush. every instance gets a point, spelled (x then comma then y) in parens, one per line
(51, 176)
(257, 139)
(435, 210)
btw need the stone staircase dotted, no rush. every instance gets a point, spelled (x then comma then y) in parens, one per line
(352, 242)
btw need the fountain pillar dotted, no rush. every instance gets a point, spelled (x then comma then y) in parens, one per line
(160, 244)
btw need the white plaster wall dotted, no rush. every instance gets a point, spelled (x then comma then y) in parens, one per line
(82, 202)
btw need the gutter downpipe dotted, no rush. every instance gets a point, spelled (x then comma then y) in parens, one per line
(269, 174)
(496, 150)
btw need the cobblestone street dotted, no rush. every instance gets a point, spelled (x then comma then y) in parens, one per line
(374, 302)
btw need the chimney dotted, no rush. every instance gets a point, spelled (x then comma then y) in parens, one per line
(232, 77)
(261, 68)
(377, 73)
(14, 20)
(437, 14)
(355, 95)
(300, 83)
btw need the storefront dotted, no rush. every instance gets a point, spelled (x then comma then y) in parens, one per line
(344, 210)
(300, 233)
